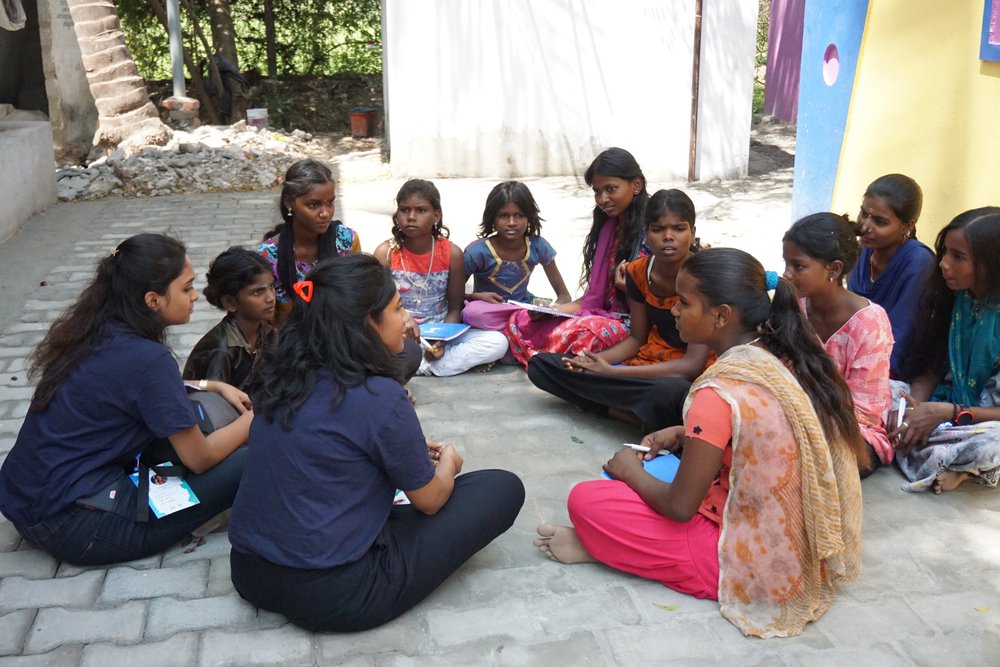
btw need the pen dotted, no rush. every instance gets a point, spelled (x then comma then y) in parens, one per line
(643, 449)
(426, 345)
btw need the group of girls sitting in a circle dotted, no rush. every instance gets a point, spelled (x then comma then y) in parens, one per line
(775, 392)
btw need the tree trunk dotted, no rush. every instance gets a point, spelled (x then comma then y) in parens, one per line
(270, 39)
(126, 117)
(223, 32)
(224, 40)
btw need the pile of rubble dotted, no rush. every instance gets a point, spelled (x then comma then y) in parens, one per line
(208, 159)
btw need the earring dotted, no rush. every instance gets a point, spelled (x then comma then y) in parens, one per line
(636, 192)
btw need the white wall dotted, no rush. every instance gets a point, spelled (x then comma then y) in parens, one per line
(27, 173)
(502, 88)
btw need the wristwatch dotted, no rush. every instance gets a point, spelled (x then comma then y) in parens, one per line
(964, 416)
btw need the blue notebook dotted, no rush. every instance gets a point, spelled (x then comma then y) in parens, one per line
(662, 468)
(442, 330)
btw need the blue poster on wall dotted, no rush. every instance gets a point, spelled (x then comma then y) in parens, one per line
(989, 47)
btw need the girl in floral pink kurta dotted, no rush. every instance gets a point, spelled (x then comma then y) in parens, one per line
(819, 251)
(861, 349)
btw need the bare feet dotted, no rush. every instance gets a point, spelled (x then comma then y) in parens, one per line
(560, 543)
(948, 480)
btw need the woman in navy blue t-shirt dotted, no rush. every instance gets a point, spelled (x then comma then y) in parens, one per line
(315, 534)
(108, 390)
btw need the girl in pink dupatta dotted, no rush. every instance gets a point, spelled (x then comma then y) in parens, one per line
(764, 513)
(615, 238)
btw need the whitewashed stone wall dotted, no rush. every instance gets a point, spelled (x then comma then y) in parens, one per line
(507, 88)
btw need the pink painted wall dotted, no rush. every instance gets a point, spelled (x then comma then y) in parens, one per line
(784, 54)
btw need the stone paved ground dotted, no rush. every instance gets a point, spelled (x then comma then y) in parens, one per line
(929, 593)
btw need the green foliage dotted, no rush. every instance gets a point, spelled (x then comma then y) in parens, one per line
(313, 37)
(760, 58)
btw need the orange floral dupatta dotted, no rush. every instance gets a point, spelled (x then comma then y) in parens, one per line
(791, 527)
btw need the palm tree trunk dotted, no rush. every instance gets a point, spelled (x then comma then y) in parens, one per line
(126, 117)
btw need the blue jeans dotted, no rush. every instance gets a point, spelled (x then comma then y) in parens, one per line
(83, 536)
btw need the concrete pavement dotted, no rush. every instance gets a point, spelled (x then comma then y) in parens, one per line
(929, 592)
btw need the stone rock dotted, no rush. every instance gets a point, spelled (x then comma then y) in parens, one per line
(208, 158)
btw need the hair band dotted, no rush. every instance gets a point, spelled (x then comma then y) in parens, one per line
(114, 251)
(771, 279)
(304, 288)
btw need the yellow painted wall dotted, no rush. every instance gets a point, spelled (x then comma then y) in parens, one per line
(924, 105)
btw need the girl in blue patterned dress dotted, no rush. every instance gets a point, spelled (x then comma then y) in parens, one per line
(501, 260)
(429, 271)
(308, 234)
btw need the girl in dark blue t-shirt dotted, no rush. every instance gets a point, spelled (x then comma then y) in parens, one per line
(315, 533)
(108, 390)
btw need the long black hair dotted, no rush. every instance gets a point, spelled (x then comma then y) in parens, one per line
(117, 294)
(616, 163)
(827, 237)
(231, 271)
(503, 194)
(332, 333)
(300, 178)
(427, 190)
(734, 277)
(929, 351)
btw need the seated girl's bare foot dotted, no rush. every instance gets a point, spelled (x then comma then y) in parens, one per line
(561, 544)
(948, 480)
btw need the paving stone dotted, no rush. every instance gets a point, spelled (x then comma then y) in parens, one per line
(288, 645)
(70, 570)
(168, 616)
(13, 627)
(972, 610)
(55, 627)
(580, 648)
(126, 583)
(32, 564)
(219, 577)
(216, 545)
(962, 647)
(684, 639)
(881, 654)
(847, 622)
(456, 626)
(9, 537)
(407, 635)
(64, 656)
(78, 591)
(178, 651)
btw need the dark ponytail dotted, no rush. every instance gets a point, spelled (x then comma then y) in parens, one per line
(140, 264)
(734, 277)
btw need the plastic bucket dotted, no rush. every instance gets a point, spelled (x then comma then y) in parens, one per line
(362, 122)
(257, 117)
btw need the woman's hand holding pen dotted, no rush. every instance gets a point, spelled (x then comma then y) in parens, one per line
(666, 438)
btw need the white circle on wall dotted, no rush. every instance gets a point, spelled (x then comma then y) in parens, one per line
(831, 65)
